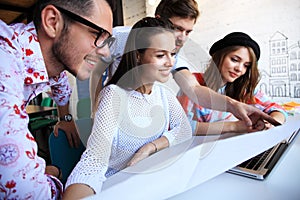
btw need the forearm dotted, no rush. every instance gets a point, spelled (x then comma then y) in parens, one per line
(155, 145)
(63, 110)
(160, 143)
(202, 95)
(210, 99)
(214, 128)
(148, 149)
(278, 116)
(77, 191)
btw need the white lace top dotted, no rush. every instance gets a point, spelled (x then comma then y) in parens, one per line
(124, 122)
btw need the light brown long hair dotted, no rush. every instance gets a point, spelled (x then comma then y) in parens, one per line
(241, 89)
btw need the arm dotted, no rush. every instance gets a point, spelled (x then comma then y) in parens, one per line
(77, 191)
(20, 165)
(221, 127)
(89, 173)
(264, 103)
(210, 99)
(69, 127)
(61, 92)
(278, 116)
(148, 149)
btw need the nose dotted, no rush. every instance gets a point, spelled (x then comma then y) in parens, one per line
(103, 51)
(170, 61)
(239, 67)
(182, 35)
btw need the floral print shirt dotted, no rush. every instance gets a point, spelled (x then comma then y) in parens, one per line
(23, 75)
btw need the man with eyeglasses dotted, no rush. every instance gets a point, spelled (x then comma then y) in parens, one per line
(183, 14)
(35, 58)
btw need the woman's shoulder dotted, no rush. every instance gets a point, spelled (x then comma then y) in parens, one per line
(111, 90)
(166, 91)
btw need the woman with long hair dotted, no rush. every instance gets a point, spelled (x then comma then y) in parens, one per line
(232, 71)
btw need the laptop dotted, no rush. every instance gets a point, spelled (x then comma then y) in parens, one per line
(260, 166)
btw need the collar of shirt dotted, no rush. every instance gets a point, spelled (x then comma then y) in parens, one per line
(35, 69)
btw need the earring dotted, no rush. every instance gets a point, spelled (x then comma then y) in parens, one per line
(138, 60)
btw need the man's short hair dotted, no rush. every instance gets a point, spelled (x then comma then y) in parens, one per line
(178, 8)
(80, 7)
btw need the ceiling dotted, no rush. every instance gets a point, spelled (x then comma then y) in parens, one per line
(12, 11)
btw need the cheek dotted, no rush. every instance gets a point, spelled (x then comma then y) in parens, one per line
(244, 70)
(224, 69)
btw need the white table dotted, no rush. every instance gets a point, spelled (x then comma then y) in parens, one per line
(282, 183)
(185, 172)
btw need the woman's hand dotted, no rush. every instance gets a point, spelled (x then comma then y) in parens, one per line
(240, 126)
(142, 153)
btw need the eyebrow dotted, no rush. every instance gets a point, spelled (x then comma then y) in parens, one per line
(181, 28)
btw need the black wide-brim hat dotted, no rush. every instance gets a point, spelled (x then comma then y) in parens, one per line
(236, 39)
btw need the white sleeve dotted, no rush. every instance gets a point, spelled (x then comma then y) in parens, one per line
(179, 126)
(91, 168)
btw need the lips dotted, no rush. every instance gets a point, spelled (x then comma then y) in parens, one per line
(233, 75)
(165, 71)
(91, 59)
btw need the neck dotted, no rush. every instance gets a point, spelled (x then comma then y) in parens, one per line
(54, 68)
(145, 89)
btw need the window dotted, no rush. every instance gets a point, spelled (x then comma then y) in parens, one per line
(283, 69)
(278, 51)
(293, 67)
(293, 77)
(293, 55)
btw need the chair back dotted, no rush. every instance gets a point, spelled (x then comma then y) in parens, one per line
(62, 155)
(85, 128)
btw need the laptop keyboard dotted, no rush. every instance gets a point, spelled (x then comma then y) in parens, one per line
(271, 156)
(255, 162)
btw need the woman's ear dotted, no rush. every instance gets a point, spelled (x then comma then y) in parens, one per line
(52, 21)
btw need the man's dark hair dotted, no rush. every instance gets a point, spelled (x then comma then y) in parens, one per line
(177, 8)
(80, 7)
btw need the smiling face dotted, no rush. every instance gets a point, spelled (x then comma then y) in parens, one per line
(72, 47)
(158, 59)
(235, 64)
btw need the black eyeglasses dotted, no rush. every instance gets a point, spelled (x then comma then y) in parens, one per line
(103, 37)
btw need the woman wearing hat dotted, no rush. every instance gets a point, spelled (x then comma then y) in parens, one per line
(232, 71)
